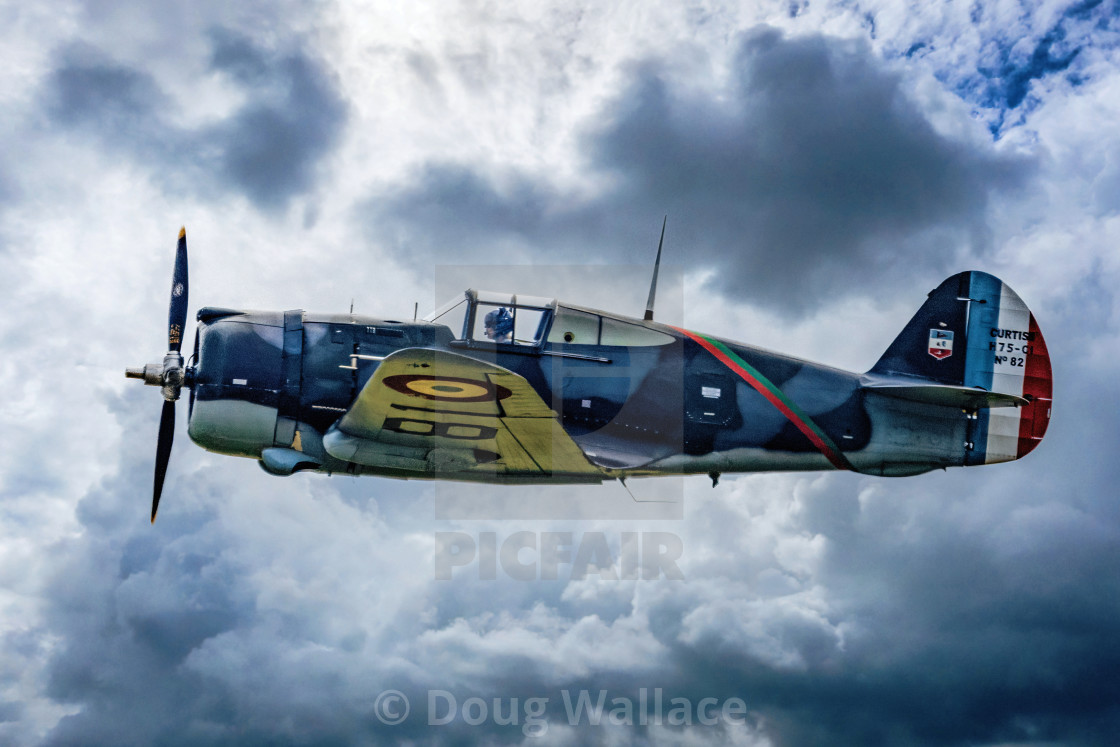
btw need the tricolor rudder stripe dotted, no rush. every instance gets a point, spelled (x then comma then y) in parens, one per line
(1038, 386)
(774, 396)
(1007, 354)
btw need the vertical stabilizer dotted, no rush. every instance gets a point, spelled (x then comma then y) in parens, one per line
(975, 331)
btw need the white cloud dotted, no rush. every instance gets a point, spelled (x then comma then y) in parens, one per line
(270, 609)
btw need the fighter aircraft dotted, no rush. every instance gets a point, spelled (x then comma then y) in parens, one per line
(505, 388)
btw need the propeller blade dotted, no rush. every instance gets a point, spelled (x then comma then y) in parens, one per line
(177, 312)
(163, 452)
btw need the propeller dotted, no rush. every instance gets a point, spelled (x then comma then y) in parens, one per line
(170, 375)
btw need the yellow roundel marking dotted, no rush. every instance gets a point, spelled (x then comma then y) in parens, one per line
(447, 389)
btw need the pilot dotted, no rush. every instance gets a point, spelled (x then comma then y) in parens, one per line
(499, 325)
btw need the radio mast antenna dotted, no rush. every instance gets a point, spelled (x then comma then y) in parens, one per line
(656, 266)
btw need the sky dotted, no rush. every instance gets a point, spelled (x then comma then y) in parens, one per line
(823, 165)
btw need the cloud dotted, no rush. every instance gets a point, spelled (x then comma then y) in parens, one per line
(89, 90)
(974, 606)
(270, 147)
(1002, 60)
(946, 609)
(810, 176)
(197, 629)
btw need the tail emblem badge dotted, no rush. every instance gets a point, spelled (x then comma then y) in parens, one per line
(940, 343)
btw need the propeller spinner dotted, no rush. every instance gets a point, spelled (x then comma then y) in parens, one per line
(170, 375)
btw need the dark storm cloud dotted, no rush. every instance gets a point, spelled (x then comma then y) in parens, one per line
(818, 175)
(268, 148)
(163, 634)
(130, 603)
(952, 637)
(453, 209)
(293, 119)
(128, 609)
(812, 175)
(975, 607)
(89, 90)
(971, 607)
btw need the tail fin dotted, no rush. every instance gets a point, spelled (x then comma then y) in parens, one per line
(975, 333)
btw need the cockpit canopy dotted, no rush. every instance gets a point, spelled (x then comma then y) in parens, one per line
(467, 317)
(538, 320)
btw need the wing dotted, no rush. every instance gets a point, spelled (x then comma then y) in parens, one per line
(441, 414)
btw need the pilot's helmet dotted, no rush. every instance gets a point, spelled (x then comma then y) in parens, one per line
(501, 321)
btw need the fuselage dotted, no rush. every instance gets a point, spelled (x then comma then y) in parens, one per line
(637, 397)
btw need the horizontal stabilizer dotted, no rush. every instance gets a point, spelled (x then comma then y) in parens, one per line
(949, 395)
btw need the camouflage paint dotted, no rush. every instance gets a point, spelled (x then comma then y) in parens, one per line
(774, 396)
